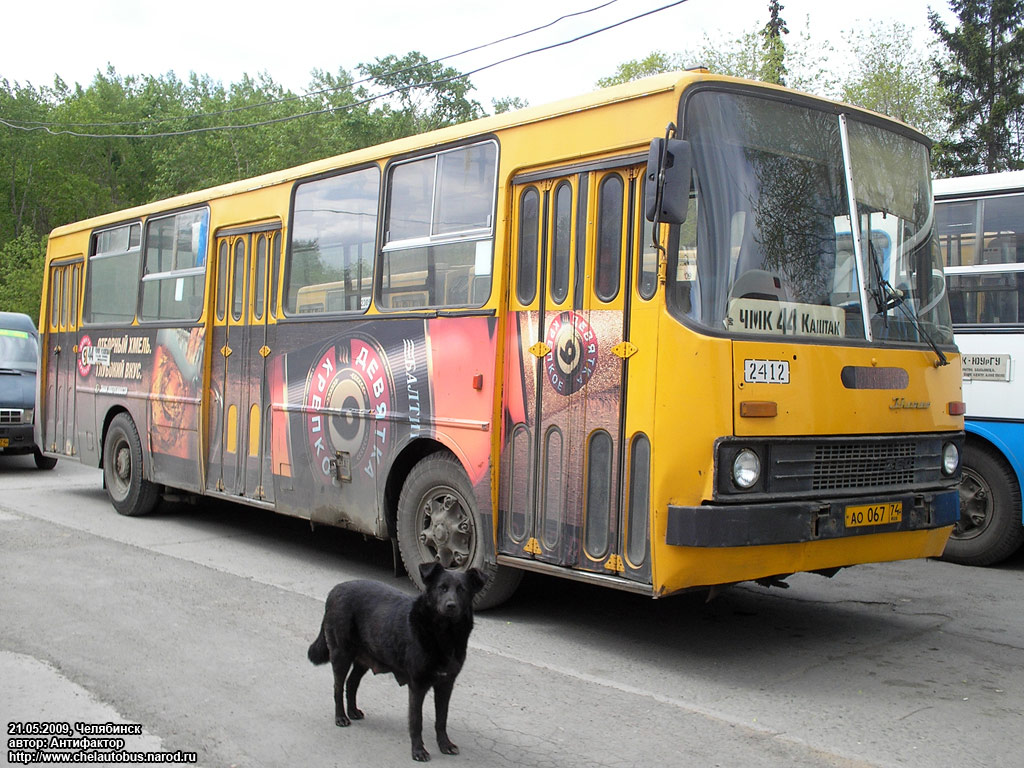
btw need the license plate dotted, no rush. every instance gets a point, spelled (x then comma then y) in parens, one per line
(883, 513)
(4, 442)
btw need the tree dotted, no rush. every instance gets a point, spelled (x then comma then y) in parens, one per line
(774, 67)
(984, 82)
(417, 95)
(655, 63)
(508, 104)
(890, 76)
(21, 273)
(747, 57)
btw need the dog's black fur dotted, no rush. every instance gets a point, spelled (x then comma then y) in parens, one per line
(421, 640)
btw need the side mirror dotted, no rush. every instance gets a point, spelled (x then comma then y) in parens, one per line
(667, 182)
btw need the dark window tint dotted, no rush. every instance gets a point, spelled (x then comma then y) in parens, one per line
(561, 242)
(599, 493)
(529, 220)
(609, 238)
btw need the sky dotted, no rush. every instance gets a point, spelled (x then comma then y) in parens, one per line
(288, 40)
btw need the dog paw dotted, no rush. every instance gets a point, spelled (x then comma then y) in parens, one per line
(355, 714)
(448, 748)
(420, 754)
(342, 722)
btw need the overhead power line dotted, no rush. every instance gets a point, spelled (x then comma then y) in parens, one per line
(46, 128)
(322, 91)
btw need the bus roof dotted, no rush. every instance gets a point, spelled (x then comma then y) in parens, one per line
(986, 183)
(649, 86)
(636, 89)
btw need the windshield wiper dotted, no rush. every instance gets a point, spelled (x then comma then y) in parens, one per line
(914, 321)
(888, 297)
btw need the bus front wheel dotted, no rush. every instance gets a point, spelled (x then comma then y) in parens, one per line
(989, 529)
(129, 492)
(437, 520)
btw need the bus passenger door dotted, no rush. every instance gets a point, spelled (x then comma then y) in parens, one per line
(562, 465)
(61, 358)
(229, 347)
(540, 480)
(238, 417)
(265, 247)
(614, 465)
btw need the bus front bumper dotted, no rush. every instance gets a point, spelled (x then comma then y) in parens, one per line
(748, 525)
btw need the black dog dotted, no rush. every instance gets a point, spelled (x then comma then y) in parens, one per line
(421, 640)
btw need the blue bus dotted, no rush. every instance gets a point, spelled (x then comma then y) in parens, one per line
(980, 223)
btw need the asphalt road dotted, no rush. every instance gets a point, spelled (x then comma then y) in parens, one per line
(190, 628)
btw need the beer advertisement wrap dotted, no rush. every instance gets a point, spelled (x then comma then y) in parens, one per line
(554, 403)
(345, 407)
(162, 369)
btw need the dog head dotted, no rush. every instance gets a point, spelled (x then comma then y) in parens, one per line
(450, 593)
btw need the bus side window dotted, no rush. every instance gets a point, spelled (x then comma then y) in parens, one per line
(174, 272)
(333, 240)
(112, 279)
(439, 231)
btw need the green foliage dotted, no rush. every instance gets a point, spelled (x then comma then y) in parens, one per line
(983, 79)
(21, 274)
(774, 66)
(416, 95)
(890, 76)
(125, 140)
(655, 63)
(508, 104)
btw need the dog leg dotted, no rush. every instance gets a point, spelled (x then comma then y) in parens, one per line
(351, 686)
(340, 664)
(442, 695)
(416, 697)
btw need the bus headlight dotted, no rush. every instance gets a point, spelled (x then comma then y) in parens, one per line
(27, 416)
(746, 469)
(950, 459)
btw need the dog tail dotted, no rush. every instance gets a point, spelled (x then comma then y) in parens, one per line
(318, 653)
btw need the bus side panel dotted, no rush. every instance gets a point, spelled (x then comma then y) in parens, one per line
(157, 375)
(90, 431)
(351, 394)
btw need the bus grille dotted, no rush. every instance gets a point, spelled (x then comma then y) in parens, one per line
(862, 465)
(825, 467)
(11, 415)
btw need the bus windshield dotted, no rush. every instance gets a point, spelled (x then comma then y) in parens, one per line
(768, 246)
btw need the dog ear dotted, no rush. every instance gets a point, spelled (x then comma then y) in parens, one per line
(430, 571)
(477, 579)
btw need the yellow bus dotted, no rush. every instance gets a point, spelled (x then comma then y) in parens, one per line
(645, 338)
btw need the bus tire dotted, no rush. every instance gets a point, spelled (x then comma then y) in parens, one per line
(43, 461)
(989, 529)
(437, 520)
(129, 492)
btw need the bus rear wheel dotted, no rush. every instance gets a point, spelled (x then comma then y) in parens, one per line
(437, 521)
(989, 529)
(129, 492)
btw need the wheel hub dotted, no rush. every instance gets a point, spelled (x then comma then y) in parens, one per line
(447, 530)
(123, 463)
(975, 507)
